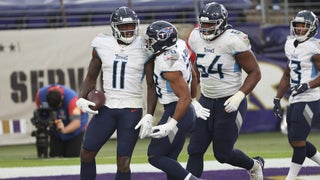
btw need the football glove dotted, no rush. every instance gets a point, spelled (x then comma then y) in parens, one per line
(164, 129)
(145, 125)
(298, 89)
(201, 112)
(84, 104)
(233, 102)
(277, 111)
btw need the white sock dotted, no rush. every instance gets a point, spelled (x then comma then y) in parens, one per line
(293, 171)
(255, 165)
(316, 158)
(187, 177)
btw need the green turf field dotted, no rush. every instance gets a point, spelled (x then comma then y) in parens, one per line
(268, 145)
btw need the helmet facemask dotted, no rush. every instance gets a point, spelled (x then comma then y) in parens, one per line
(125, 31)
(301, 33)
(149, 43)
(209, 29)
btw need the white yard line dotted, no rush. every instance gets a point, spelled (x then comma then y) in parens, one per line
(111, 168)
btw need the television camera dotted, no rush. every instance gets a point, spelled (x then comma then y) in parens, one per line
(43, 119)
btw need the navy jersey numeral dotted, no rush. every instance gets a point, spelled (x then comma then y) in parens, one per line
(122, 74)
(205, 72)
(296, 69)
(158, 89)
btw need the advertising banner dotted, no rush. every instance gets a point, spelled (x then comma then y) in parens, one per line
(31, 59)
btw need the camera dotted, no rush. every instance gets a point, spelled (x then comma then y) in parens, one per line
(43, 119)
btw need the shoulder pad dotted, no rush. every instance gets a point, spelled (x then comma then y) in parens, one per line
(243, 37)
(171, 54)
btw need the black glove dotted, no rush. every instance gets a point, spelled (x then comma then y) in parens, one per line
(277, 111)
(300, 88)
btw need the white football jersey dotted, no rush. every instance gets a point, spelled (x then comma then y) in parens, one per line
(175, 59)
(220, 74)
(302, 68)
(123, 71)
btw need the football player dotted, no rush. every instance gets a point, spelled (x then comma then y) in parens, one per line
(172, 76)
(121, 59)
(301, 75)
(221, 55)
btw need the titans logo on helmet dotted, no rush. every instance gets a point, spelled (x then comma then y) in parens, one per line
(165, 33)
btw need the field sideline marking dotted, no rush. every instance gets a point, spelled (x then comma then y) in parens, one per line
(111, 168)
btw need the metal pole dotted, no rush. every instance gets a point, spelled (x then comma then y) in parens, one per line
(263, 11)
(63, 14)
(196, 10)
(201, 4)
(286, 12)
(129, 4)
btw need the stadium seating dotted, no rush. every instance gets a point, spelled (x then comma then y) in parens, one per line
(19, 14)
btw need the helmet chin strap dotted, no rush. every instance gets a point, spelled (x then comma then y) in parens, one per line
(301, 38)
(209, 37)
(127, 40)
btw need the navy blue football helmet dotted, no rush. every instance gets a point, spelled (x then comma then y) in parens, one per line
(310, 21)
(213, 21)
(161, 35)
(124, 15)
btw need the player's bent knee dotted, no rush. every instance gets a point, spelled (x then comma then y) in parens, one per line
(222, 158)
(195, 150)
(123, 163)
(298, 143)
(87, 156)
(196, 155)
(152, 160)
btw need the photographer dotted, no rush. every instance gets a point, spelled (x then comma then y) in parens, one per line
(69, 122)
